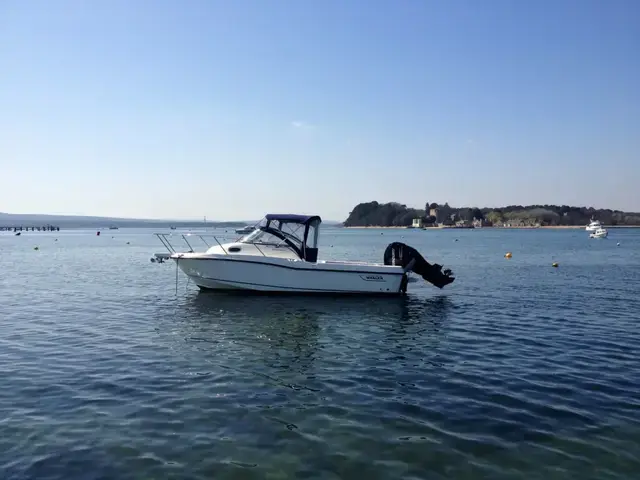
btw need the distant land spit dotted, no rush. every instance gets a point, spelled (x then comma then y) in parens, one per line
(73, 221)
(80, 221)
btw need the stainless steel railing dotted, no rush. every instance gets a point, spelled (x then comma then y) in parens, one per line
(175, 243)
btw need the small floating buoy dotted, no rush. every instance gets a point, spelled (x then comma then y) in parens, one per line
(618, 244)
(98, 233)
(128, 243)
(507, 255)
(554, 264)
(36, 248)
(456, 240)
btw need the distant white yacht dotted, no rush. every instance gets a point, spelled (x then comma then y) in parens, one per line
(593, 226)
(599, 233)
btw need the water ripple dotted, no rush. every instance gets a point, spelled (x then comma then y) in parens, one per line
(517, 371)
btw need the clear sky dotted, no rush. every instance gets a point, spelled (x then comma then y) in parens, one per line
(235, 108)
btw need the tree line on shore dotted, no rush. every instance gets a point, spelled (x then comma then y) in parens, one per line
(374, 214)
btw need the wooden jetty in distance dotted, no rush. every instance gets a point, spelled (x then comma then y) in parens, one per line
(30, 228)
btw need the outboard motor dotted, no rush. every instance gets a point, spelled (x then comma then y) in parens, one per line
(405, 256)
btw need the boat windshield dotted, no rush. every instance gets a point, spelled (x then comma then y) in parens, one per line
(299, 236)
(271, 236)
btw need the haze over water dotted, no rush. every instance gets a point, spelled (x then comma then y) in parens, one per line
(516, 370)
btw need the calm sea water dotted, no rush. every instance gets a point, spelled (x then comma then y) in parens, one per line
(517, 370)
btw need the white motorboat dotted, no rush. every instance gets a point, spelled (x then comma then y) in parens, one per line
(599, 233)
(245, 229)
(281, 255)
(593, 226)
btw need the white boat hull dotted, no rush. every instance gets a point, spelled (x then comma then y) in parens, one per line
(281, 256)
(599, 233)
(267, 274)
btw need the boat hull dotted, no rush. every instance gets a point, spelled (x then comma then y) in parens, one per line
(276, 275)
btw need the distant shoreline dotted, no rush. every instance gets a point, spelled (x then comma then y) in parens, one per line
(510, 216)
(547, 227)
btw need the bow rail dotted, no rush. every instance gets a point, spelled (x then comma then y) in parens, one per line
(185, 243)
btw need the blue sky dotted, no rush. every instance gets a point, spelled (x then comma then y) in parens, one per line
(231, 109)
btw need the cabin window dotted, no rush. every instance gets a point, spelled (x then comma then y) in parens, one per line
(234, 249)
(312, 236)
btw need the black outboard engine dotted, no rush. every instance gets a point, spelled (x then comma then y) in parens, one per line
(405, 256)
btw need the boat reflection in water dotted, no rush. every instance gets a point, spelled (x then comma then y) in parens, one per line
(290, 332)
(269, 310)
